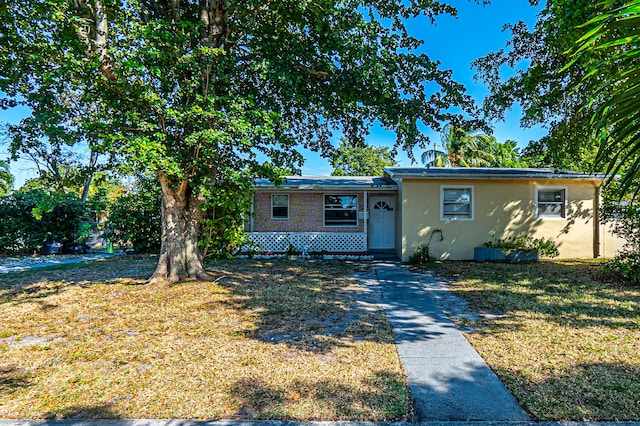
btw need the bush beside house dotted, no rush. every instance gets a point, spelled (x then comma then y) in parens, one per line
(625, 219)
(520, 248)
(30, 219)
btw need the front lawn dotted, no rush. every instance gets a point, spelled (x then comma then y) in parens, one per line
(268, 340)
(564, 340)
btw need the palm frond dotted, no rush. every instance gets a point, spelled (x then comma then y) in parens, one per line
(615, 36)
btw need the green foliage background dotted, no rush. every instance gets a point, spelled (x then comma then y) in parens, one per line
(32, 218)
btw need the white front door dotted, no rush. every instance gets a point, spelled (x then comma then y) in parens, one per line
(382, 220)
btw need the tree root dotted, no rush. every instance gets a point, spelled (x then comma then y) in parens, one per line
(157, 279)
(205, 276)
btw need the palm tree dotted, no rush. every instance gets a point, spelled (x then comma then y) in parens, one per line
(616, 33)
(6, 178)
(466, 149)
(435, 157)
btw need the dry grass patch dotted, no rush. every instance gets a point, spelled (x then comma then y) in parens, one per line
(268, 340)
(565, 342)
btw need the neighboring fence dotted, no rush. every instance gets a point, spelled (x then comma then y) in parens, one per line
(306, 242)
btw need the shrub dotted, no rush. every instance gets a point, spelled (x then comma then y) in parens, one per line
(19, 233)
(134, 218)
(32, 218)
(422, 255)
(526, 242)
(227, 203)
(625, 219)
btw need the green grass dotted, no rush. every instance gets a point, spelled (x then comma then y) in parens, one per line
(562, 337)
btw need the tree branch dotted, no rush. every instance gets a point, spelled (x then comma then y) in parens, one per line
(97, 24)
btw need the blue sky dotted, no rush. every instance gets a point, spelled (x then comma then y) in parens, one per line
(455, 42)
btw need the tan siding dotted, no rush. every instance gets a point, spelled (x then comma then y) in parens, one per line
(610, 244)
(400, 211)
(502, 208)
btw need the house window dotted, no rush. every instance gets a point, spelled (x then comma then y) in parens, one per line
(279, 207)
(551, 203)
(340, 210)
(383, 205)
(456, 203)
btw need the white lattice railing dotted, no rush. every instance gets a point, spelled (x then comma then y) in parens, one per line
(306, 242)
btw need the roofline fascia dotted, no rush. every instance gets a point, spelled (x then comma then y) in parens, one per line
(327, 188)
(524, 176)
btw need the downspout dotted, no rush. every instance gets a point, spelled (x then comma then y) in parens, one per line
(596, 222)
(366, 214)
(253, 198)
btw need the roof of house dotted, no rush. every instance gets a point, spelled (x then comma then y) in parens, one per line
(485, 173)
(387, 182)
(330, 182)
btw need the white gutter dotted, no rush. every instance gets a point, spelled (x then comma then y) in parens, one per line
(481, 174)
(341, 188)
(366, 214)
(251, 213)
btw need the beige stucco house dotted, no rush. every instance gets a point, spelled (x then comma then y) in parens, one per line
(453, 210)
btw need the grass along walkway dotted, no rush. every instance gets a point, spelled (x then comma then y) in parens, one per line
(268, 340)
(565, 342)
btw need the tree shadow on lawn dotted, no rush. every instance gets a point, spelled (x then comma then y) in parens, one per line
(13, 378)
(556, 376)
(82, 412)
(590, 391)
(309, 305)
(570, 294)
(38, 284)
(382, 397)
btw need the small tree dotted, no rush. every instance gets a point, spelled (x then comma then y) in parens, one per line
(505, 154)
(466, 148)
(134, 218)
(366, 160)
(222, 230)
(625, 219)
(622, 213)
(33, 217)
(473, 149)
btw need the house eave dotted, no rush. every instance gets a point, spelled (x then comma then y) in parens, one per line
(326, 188)
(487, 173)
(328, 183)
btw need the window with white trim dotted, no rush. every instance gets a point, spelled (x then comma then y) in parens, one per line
(456, 202)
(551, 202)
(280, 206)
(340, 210)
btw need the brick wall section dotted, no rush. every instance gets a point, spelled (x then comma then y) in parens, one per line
(306, 213)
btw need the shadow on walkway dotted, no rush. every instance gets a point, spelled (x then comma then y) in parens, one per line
(447, 378)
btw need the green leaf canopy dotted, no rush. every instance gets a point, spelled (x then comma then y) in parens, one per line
(197, 90)
(177, 93)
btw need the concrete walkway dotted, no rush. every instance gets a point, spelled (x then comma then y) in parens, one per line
(447, 378)
(53, 262)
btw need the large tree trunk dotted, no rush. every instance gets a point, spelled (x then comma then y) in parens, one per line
(180, 257)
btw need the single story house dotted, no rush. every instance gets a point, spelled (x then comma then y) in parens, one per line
(453, 210)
